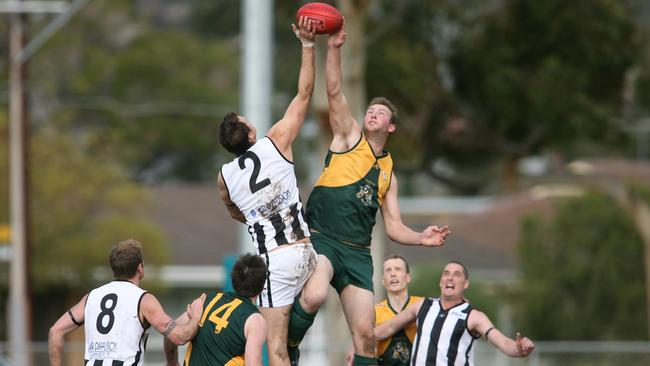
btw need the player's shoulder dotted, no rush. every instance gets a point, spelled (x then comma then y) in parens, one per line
(382, 303)
(255, 322)
(382, 306)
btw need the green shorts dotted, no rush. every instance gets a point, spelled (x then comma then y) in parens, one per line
(352, 265)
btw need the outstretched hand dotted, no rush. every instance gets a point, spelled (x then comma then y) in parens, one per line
(435, 236)
(305, 31)
(195, 309)
(524, 345)
(337, 39)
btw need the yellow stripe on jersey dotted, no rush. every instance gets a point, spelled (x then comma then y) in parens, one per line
(188, 352)
(385, 173)
(236, 361)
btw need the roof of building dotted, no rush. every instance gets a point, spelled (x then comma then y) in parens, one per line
(197, 225)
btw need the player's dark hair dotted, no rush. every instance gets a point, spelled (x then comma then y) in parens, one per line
(395, 256)
(248, 275)
(389, 105)
(233, 134)
(465, 271)
(125, 258)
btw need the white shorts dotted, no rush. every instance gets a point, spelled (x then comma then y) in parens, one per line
(289, 269)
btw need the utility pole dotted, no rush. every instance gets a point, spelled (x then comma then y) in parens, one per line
(19, 53)
(19, 310)
(256, 75)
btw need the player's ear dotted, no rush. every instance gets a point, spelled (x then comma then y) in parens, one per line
(392, 128)
(408, 278)
(465, 284)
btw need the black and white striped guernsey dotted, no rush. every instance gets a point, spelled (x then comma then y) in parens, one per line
(115, 336)
(442, 335)
(262, 183)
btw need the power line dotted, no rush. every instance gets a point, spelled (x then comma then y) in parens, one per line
(138, 110)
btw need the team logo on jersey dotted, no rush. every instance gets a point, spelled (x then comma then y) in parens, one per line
(401, 352)
(365, 195)
(459, 314)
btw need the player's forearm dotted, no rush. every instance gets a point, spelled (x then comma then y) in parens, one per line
(402, 234)
(307, 73)
(55, 347)
(510, 349)
(333, 75)
(504, 344)
(184, 332)
(388, 328)
(382, 332)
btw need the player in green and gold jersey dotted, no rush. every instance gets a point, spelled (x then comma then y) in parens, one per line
(231, 329)
(356, 182)
(395, 350)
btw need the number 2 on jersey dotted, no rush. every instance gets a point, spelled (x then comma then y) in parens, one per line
(220, 322)
(257, 164)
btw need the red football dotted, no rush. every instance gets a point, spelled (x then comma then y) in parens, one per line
(327, 18)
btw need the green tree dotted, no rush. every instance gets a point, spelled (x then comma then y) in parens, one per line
(481, 84)
(586, 266)
(147, 95)
(545, 74)
(80, 205)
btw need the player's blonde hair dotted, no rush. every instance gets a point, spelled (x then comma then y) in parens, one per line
(389, 105)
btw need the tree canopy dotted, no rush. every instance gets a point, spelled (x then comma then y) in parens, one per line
(80, 206)
(501, 81)
(584, 265)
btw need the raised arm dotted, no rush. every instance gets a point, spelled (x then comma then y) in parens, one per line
(255, 332)
(400, 233)
(345, 129)
(69, 321)
(480, 324)
(286, 130)
(178, 333)
(232, 208)
(399, 321)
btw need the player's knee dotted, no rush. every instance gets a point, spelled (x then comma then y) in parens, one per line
(312, 300)
(366, 339)
(278, 351)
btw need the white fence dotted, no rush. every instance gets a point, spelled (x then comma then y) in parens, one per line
(631, 353)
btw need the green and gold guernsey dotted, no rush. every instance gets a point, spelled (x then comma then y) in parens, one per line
(351, 188)
(395, 350)
(220, 339)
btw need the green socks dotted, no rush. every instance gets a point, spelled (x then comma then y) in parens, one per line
(364, 361)
(299, 322)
